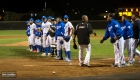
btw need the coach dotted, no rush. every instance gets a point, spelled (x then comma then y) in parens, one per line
(83, 31)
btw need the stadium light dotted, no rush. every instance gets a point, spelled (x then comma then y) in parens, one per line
(75, 12)
(106, 11)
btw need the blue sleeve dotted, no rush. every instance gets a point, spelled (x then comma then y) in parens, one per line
(63, 30)
(118, 30)
(107, 35)
(129, 30)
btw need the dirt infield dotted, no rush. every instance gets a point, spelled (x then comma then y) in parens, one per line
(44, 67)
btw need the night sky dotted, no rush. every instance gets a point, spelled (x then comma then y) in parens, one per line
(61, 6)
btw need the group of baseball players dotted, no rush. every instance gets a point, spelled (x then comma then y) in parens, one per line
(50, 36)
(124, 35)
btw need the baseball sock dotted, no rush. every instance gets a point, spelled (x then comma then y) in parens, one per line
(34, 47)
(30, 47)
(68, 55)
(60, 54)
(65, 53)
(39, 48)
(46, 50)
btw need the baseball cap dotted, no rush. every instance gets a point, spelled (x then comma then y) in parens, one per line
(43, 17)
(111, 15)
(66, 16)
(27, 22)
(31, 19)
(50, 17)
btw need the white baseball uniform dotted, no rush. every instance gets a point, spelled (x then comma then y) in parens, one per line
(32, 35)
(45, 31)
(68, 31)
(118, 50)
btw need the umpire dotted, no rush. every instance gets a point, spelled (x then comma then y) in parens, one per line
(83, 31)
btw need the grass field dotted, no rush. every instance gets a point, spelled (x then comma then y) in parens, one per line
(104, 50)
(15, 57)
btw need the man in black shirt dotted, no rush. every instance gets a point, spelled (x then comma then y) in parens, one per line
(83, 31)
(135, 38)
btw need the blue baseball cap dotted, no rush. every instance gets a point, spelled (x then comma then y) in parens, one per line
(50, 17)
(66, 16)
(31, 19)
(27, 22)
(43, 17)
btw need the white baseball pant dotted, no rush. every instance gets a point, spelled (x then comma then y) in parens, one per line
(38, 42)
(29, 43)
(59, 46)
(134, 47)
(88, 53)
(32, 40)
(119, 51)
(67, 45)
(50, 40)
(128, 45)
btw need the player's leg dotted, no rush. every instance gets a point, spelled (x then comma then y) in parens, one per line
(59, 48)
(117, 53)
(121, 49)
(36, 43)
(39, 44)
(49, 45)
(53, 46)
(81, 50)
(129, 49)
(67, 51)
(88, 53)
(44, 45)
(29, 43)
(32, 42)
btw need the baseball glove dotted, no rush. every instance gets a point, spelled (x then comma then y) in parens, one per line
(112, 40)
(75, 46)
(67, 38)
(61, 42)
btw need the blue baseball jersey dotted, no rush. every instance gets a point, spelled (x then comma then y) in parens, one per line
(38, 34)
(38, 26)
(113, 29)
(127, 30)
(28, 31)
(60, 29)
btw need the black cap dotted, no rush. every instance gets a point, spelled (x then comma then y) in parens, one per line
(136, 14)
(111, 15)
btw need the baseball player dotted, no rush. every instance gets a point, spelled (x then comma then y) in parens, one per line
(135, 38)
(83, 31)
(69, 29)
(49, 39)
(38, 35)
(114, 31)
(59, 37)
(32, 35)
(28, 34)
(127, 35)
(44, 28)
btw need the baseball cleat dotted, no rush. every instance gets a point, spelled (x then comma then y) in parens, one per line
(81, 64)
(87, 64)
(49, 54)
(116, 65)
(59, 58)
(129, 64)
(43, 54)
(67, 60)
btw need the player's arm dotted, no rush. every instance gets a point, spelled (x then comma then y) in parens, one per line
(75, 34)
(118, 30)
(106, 36)
(71, 29)
(129, 30)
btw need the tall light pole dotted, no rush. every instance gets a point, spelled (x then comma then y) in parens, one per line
(45, 5)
